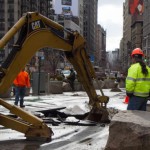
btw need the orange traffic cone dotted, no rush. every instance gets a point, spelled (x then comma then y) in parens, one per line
(126, 100)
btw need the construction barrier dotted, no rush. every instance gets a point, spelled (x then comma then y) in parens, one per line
(126, 100)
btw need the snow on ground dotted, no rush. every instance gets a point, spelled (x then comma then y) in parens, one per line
(66, 137)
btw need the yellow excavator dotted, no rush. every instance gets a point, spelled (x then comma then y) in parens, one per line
(35, 32)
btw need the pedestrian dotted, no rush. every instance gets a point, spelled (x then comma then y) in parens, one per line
(71, 79)
(21, 82)
(138, 82)
(62, 75)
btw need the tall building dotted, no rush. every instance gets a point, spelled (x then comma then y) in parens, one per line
(81, 16)
(125, 50)
(66, 13)
(84, 14)
(137, 31)
(100, 54)
(12, 10)
(90, 25)
(43, 7)
(136, 11)
(146, 30)
(132, 30)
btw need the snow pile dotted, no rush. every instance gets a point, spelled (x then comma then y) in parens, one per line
(75, 110)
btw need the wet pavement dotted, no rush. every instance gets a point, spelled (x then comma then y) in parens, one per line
(67, 134)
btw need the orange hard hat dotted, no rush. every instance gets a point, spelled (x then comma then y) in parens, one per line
(137, 51)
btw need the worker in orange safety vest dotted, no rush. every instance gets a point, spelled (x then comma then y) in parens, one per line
(21, 82)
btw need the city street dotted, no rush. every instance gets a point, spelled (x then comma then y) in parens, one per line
(58, 46)
(71, 133)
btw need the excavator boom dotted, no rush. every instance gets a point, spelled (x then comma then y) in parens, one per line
(37, 32)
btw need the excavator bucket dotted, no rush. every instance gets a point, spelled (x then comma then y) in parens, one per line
(99, 111)
(41, 134)
(99, 115)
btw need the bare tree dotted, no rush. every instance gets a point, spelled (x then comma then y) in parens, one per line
(52, 58)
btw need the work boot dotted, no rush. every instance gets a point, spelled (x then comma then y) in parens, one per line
(22, 106)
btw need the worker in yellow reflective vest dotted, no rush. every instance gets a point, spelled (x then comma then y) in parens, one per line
(138, 82)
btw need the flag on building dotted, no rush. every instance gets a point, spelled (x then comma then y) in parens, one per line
(136, 7)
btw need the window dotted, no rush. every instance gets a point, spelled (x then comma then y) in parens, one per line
(66, 2)
(2, 26)
(10, 1)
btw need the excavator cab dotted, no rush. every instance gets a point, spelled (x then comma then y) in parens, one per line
(36, 32)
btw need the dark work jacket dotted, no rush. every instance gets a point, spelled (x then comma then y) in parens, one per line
(72, 76)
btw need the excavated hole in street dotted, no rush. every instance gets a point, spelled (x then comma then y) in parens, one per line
(55, 117)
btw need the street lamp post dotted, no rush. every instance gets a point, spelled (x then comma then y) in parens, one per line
(39, 69)
(40, 55)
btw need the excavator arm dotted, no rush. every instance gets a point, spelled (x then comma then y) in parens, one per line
(37, 32)
(33, 127)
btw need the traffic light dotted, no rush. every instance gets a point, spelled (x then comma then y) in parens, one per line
(145, 58)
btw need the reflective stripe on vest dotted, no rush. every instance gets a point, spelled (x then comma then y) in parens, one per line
(138, 79)
(141, 94)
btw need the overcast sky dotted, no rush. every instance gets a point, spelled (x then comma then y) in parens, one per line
(110, 17)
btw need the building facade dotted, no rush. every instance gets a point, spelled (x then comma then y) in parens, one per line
(87, 20)
(125, 48)
(81, 12)
(136, 31)
(90, 25)
(80, 15)
(66, 13)
(100, 54)
(12, 10)
(132, 30)
(146, 30)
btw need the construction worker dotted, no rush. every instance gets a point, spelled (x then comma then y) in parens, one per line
(21, 82)
(71, 79)
(138, 82)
